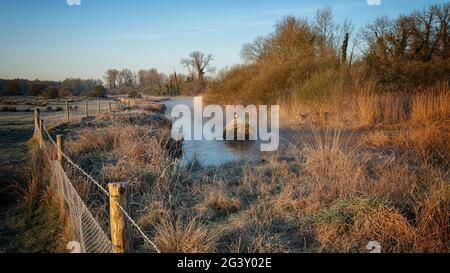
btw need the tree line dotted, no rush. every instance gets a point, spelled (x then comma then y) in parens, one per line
(301, 58)
(412, 49)
(125, 81)
(52, 89)
(153, 82)
(315, 60)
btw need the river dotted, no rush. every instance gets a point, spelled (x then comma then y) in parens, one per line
(213, 153)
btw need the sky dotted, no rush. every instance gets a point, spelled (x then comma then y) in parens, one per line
(58, 39)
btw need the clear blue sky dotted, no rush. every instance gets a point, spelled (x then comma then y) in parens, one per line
(52, 40)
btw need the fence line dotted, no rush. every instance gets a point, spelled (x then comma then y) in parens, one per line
(86, 230)
(80, 217)
(76, 111)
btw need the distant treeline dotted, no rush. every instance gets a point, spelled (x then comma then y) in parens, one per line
(52, 89)
(125, 81)
(153, 82)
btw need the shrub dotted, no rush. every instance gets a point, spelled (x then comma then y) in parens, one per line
(51, 93)
(176, 236)
(12, 88)
(401, 57)
(98, 92)
(321, 88)
(35, 88)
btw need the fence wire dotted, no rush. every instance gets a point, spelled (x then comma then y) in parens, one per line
(86, 229)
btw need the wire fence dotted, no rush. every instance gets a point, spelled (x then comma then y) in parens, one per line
(77, 110)
(87, 231)
(85, 228)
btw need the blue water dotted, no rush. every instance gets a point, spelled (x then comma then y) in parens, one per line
(213, 153)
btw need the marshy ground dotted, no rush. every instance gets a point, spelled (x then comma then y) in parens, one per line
(328, 189)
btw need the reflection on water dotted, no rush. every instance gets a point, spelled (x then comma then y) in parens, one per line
(214, 152)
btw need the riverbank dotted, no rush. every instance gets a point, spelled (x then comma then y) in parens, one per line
(328, 189)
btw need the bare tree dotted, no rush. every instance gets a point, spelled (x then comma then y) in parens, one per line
(111, 77)
(199, 64)
(141, 74)
(78, 86)
(325, 26)
(410, 42)
(126, 78)
(151, 80)
(443, 15)
(253, 52)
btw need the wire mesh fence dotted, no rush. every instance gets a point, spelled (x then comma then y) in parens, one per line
(85, 228)
(88, 223)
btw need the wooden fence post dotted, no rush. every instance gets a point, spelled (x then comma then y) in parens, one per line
(99, 110)
(59, 147)
(36, 124)
(110, 107)
(86, 109)
(120, 233)
(67, 111)
(41, 133)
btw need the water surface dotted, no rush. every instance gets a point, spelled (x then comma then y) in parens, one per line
(213, 153)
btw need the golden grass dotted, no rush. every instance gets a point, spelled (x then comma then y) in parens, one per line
(365, 108)
(433, 219)
(431, 105)
(382, 109)
(217, 199)
(348, 222)
(336, 195)
(175, 236)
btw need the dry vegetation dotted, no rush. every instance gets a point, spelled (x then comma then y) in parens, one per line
(35, 224)
(335, 193)
(387, 180)
(332, 197)
(390, 185)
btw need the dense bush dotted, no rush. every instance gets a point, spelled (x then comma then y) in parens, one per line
(98, 92)
(410, 50)
(76, 87)
(11, 88)
(35, 88)
(278, 66)
(51, 93)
